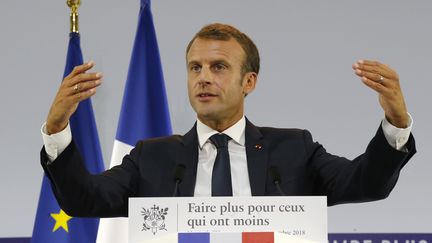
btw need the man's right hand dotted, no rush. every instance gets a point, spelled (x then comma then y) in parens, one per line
(76, 87)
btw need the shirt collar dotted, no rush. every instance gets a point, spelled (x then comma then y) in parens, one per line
(236, 132)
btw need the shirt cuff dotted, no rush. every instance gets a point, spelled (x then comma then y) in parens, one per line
(397, 137)
(56, 143)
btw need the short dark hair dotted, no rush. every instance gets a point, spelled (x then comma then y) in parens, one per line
(218, 31)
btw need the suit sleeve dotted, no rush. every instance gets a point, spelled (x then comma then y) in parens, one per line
(82, 194)
(370, 176)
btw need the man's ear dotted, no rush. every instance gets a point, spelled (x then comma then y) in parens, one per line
(249, 82)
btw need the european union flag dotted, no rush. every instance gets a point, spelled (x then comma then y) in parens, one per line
(144, 113)
(52, 224)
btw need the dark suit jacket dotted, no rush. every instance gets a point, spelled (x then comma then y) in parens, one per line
(305, 167)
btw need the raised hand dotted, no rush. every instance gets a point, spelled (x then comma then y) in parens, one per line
(76, 87)
(385, 81)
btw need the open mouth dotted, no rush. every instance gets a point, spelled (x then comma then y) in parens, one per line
(203, 95)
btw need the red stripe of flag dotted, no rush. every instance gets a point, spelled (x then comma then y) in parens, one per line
(257, 237)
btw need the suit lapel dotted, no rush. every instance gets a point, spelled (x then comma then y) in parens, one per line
(256, 154)
(188, 156)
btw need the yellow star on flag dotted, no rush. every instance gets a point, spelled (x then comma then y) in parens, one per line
(61, 219)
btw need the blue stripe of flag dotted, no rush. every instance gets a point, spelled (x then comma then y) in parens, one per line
(194, 238)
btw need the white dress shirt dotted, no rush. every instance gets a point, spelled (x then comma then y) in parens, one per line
(55, 144)
(207, 152)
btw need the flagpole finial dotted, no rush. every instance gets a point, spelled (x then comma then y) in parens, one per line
(74, 5)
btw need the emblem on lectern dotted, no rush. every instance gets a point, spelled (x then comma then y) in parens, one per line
(154, 219)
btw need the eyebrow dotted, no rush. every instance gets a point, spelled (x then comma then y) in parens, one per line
(220, 61)
(192, 63)
(223, 61)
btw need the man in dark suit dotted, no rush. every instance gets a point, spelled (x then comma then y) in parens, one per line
(223, 66)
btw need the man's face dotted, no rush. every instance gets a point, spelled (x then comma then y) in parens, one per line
(215, 83)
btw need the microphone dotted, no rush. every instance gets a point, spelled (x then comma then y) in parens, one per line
(178, 177)
(276, 178)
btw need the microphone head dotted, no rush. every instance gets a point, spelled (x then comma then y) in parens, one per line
(274, 174)
(179, 172)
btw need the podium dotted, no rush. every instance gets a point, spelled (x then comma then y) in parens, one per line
(228, 219)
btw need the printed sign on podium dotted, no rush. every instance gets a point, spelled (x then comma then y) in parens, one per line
(301, 217)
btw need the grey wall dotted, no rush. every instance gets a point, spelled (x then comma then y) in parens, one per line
(307, 49)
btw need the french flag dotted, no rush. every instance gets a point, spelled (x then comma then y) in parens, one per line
(144, 113)
(244, 237)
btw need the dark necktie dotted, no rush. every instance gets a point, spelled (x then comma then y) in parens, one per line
(221, 176)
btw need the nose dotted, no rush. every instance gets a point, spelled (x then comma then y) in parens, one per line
(203, 82)
(205, 77)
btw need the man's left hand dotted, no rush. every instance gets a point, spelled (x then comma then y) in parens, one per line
(385, 81)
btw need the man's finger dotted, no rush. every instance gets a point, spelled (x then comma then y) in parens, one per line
(379, 69)
(80, 69)
(84, 86)
(369, 68)
(80, 96)
(369, 62)
(373, 76)
(374, 85)
(83, 77)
